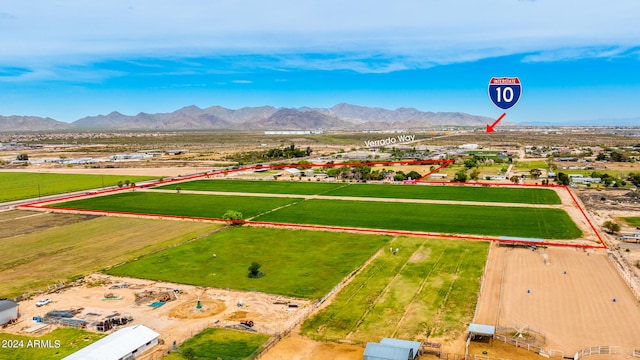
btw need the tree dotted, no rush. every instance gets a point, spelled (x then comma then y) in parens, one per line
(611, 227)
(235, 217)
(461, 176)
(414, 175)
(399, 176)
(634, 178)
(535, 173)
(254, 271)
(127, 182)
(120, 184)
(515, 179)
(178, 188)
(471, 163)
(22, 157)
(562, 178)
(474, 174)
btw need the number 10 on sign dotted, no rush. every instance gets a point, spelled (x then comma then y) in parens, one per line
(504, 91)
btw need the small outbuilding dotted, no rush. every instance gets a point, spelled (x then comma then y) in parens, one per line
(8, 311)
(413, 345)
(124, 344)
(377, 351)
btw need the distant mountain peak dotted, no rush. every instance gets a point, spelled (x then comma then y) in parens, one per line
(341, 116)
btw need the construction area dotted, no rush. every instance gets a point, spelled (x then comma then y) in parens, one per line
(177, 312)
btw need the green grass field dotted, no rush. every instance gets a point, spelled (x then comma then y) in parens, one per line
(298, 263)
(24, 185)
(458, 193)
(70, 341)
(57, 253)
(266, 187)
(429, 289)
(633, 221)
(452, 219)
(194, 205)
(225, 344)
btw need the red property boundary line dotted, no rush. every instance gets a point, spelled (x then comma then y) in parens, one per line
(443, 163)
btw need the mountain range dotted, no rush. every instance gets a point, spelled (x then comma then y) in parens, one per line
(339, 117)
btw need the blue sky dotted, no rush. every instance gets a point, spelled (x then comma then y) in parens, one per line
(66, 59)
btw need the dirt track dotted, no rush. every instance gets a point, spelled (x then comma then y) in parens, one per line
(574, 310)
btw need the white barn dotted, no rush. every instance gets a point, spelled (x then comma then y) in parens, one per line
(124, 344)
(8, 311)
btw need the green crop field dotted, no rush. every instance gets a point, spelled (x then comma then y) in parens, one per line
(24, 185)
(193, 205)
(248, 186)
(452, 219)
(455, 193)
(69, 340)
(633, 221)
(214, 343)
(57, 253)
(297, 263)
(429, 289)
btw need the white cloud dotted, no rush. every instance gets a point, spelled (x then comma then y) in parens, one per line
(408, 33)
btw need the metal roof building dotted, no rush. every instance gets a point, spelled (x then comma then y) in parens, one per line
(413, 345)
(124, 344)
(377, 351)
(8, 311)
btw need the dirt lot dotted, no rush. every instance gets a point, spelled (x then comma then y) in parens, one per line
(177, 320)
(573, 310)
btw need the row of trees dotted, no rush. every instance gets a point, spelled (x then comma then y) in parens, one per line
(365, 172)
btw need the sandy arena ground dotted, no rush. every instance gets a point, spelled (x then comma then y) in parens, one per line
(574, 310)
(177, 320)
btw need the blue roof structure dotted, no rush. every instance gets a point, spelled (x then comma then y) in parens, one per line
(376, 351)
(480, 329)
(413, 345)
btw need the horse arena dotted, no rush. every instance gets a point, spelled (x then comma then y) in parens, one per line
(574, 298)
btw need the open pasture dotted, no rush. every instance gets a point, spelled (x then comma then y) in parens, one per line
(451, 219)
(297, 263)
(32, 261)
(214, 343)
(192, 205)
(25, 185)
(19, 222)
(427, 291)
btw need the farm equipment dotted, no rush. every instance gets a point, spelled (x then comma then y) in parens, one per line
(247, 323)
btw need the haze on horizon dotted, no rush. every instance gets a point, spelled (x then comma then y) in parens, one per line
(577, 60)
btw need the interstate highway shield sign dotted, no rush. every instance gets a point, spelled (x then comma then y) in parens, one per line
(504, 91)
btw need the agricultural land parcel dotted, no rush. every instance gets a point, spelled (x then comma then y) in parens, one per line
(71, 340)
(427, 290)
(78, 245)
(305, 264)
(191, 205)
(225, 344)
(633, 221)
(19, 185)
(431, 192)
(529, 222)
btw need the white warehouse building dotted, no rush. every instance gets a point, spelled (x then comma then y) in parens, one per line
(124, 344)
(8, 311)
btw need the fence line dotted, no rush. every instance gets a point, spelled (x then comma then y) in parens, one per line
(598, 350)
(624, 269)
(520, 343)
